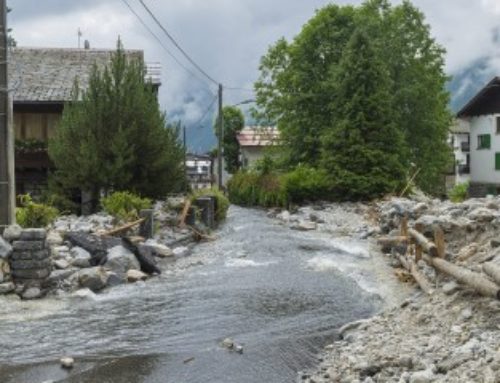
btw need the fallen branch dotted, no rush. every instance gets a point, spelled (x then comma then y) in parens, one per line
(422, 241)
(475, 280)
(122, 228)
(420, 278)
(493, 271)
(201, 235)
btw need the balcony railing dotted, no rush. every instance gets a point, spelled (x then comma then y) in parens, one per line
(465, 146)
(463, 169)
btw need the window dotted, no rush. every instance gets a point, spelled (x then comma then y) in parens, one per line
(483, 141)
(497, 161)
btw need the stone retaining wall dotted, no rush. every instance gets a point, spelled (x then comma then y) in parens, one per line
(30, 262)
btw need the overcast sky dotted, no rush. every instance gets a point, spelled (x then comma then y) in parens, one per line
(228, 37)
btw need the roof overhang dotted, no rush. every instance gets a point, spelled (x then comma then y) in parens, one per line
(487, 101)
(38, 106)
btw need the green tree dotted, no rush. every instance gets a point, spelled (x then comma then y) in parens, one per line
(364, 150)
(234, 121)
(297, 85)
(113, 136)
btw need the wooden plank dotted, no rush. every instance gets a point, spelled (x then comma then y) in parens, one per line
(123, 228)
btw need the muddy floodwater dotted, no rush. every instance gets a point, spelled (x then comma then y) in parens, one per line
(279, 293)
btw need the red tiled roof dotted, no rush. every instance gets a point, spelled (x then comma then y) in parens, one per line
(258, 136)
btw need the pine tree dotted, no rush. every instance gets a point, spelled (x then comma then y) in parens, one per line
(234, 121)
(113, 136)
(363, 150)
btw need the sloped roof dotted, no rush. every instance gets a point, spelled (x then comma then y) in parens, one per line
(258, 136)
(486, 101)
(48, 74)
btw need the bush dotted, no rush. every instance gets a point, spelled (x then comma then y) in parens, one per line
(222, 204)
(256, 189)
(307, 184)
(34, 215)
(459, 192)
(124, 205)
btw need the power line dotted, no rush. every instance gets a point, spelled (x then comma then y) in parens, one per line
(176, 44)
(206, 112)
(163, 45)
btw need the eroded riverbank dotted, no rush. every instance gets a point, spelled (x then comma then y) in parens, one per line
(282, 294)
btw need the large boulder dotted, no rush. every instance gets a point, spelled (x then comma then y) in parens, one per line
(93, 278)
(97, 246)
(5, 249)
(120, 260)
(81, 257)
(144, 255)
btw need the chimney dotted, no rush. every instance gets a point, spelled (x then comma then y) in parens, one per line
(86, 44)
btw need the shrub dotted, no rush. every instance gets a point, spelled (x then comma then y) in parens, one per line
(459, 192)
(34, 215)
(256, 189)
(124, 205)
(307, 184)
(222, 203)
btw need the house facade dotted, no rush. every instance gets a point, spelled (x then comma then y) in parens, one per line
(199, 171)
(253, 141)
(459, 141)
(42, 80)
(482, 114)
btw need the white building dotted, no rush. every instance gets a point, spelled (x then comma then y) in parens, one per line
(459, 141)
(253, 141)
(482, 114)
(199, 171)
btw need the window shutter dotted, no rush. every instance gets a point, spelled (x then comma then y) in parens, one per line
(497, 161)
(487, 141)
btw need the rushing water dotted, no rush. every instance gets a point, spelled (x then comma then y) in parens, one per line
(275, 291)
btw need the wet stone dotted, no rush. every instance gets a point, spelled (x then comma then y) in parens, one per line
(25, 264)
(31, 274)
(28, 245)
(30, 255)
(33, 235)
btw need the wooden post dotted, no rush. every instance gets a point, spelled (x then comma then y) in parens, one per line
(146, 229)
(418, 248)
(404, 226)
(440, 243)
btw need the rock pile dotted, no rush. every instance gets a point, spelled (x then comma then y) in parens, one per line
(452, 335)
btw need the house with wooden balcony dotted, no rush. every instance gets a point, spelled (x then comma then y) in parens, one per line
(41, 80)
(482, 115)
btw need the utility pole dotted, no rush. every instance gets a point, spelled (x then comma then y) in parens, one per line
(221, 139)
(6, 139)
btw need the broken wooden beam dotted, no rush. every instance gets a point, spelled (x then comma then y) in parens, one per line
(422, 241)
(392, 241)
(123, 228)
(420, 278)
(470, 278)
(185, 211)
(493, 271)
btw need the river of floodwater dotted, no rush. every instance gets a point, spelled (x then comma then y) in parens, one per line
(279, 293)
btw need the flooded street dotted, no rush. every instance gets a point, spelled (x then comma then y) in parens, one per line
(279, 293)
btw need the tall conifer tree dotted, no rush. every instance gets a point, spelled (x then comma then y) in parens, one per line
(364, 149)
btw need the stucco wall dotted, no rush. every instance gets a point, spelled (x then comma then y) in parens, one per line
(483, 160)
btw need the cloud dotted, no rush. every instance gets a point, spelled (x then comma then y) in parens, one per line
(227, 38)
